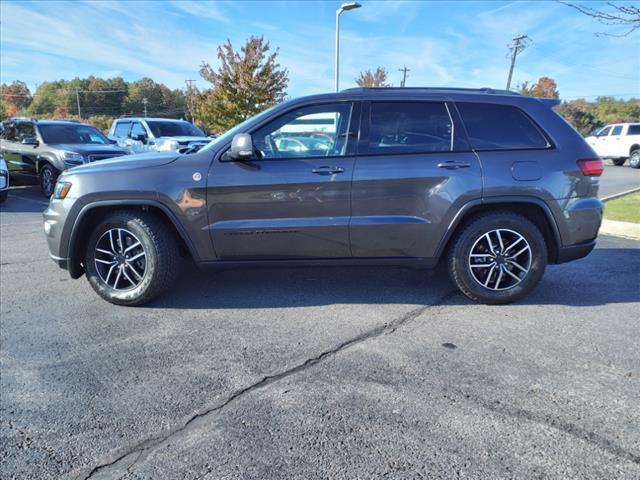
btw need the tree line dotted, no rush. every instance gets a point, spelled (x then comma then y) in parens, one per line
(247, 81)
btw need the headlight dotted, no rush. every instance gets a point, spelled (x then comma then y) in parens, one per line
(166, 145)
(61, 191)
(72, 158)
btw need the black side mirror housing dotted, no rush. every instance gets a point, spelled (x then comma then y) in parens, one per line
(241, 147)
(141, 137)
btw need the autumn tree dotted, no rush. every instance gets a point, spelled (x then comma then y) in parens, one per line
(369, 79)
(15, 97)
(246, 83)
(545, 87)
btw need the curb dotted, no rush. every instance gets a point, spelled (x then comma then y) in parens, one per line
(620, 229)
(621, 194)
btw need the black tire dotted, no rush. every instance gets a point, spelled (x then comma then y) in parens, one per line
(3, 196)
(48, 176)
(634, 158)
(472, 234)
(618, 162)
(158, 242)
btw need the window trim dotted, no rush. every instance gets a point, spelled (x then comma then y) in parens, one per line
(365, 126)
(354, 121)
(550, 145)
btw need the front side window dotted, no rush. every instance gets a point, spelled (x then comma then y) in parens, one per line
(499, 127)
(72, 134)
(122, 129)
(137, 130)
(26, 130)
(633, 130)
(314, 131)
(617, 130)
(603, 132)
(409, 127)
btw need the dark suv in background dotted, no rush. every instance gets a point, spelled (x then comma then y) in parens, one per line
(42, 149)
(494, 183)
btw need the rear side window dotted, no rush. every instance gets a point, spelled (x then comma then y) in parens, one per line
(499, 127)
(617, 130)
(409, 127)
(633, 130)
(122, 129)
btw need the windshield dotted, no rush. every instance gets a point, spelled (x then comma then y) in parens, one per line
(73, 134)
(228, 135)
(174, 129)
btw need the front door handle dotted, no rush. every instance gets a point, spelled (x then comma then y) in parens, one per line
(327, 170)
(454, 165)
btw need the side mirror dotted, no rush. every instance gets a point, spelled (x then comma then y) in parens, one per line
(29, 141)
(241, 147)
(141, 137)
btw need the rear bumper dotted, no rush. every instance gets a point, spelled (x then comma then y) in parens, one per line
(573, 252)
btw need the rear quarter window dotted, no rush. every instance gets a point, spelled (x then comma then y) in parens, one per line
(633, 130)
(500, 127)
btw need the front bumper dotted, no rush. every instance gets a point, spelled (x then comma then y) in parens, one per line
(57, 230)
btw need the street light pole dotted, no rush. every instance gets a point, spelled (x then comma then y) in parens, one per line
(343, 8)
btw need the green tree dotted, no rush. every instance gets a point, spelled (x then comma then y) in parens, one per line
(246, 83)
(138, 91)
(369, 79)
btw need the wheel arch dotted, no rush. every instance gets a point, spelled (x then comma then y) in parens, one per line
(95, 210)
(532, 208)
(635, 146)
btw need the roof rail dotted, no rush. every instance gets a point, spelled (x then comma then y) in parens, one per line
(21, 119)
(487, 90)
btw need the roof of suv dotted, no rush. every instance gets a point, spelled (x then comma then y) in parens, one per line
(146, 119)
(431, 90)
(44, 122)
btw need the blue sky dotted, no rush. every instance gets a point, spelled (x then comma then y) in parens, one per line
(443, 43)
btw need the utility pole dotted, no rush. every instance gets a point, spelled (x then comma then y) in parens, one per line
(145, 101)
(404, 71)
(516, 47)
(190, 88)
(78, 102)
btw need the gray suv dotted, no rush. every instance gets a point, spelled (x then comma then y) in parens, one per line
(494, 183)
(42, 149)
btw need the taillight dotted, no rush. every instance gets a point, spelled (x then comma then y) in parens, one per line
(591, 166)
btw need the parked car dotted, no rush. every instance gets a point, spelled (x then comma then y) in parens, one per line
(494, 183)
(139, 135)
(42, 149)
(618, 142)
(4, 180)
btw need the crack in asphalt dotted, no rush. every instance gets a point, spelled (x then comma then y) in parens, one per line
(133, 455)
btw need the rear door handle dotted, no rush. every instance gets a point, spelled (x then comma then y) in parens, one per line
(327, 170)
(454, 165)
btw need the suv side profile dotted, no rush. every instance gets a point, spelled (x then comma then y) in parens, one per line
(42, 149)
(160, 134)
(496, 184)
(618, 142)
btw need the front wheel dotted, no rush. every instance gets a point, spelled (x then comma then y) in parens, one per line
(131, 258)
(634, 159)
(48, 176)
(618, 162)
(498, 258)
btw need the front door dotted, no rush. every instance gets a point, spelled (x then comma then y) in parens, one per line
(411, 176)
(292, 200)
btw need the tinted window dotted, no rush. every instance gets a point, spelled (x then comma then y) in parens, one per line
(72, 134)
(617, 130)
(25, 130)
(315, 131)
(122, 129)
(408, 127)
(173, 129)
(497, 127)
(10, 133)
(633, 130)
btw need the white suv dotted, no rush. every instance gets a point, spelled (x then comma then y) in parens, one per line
(618, 142)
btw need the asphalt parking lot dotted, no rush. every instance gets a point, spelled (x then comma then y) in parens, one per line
(322, 373)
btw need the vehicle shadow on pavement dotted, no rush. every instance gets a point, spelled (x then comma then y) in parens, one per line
(608, 275)
(24, 200)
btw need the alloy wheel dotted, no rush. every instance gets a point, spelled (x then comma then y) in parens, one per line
(47, 181)
(500, 259)
(120, 259)
(634, 161)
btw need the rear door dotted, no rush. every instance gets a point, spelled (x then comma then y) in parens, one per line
(293, 199)
(413, 171)
(616, 147)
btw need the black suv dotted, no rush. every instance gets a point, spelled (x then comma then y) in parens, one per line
(495, 183)
(42, 149)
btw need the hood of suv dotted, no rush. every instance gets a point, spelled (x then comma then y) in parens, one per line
(87, 148)
(184, 140)
(127, 162)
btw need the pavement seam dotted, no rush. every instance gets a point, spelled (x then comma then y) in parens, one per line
(141, 450)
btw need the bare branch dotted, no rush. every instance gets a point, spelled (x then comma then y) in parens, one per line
(625, 15)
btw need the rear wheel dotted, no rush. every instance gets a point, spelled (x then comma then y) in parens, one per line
(3, 196)
(618, 162)
(48, 176)
(498, 258)
(131, 258)
(634, 159)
